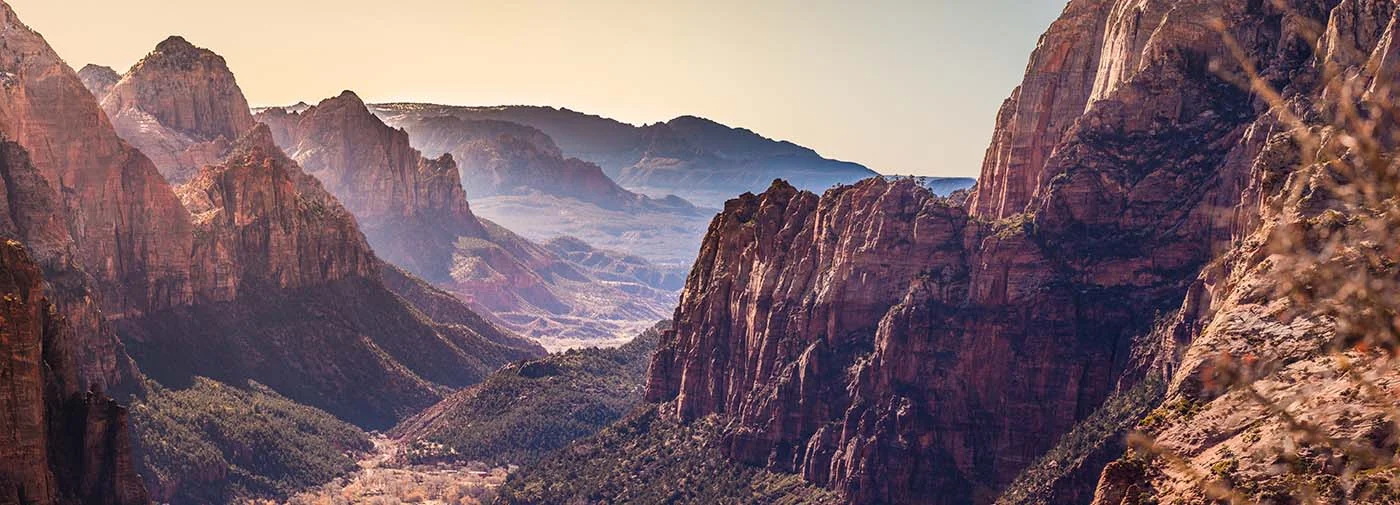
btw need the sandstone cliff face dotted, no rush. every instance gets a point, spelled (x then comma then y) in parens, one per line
(289, 294)
(901, 349)
(1059, 80)
(181, 106)
(1235, 319)
(410, 207)
(260, 220)
(132, 234)
(59, 444)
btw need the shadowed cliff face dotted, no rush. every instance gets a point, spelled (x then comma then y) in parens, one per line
(902, 349)
(180, 105)
(59, 441)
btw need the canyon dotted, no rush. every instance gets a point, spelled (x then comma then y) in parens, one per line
(415, 214)
(899, 347)
(1066, 331)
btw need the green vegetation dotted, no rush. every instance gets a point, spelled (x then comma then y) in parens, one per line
(1017, 225)
(1102, 432)
(648, 458)
(214, 443)
(529, 409)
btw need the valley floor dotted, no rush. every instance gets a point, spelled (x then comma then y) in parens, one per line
(383, 480)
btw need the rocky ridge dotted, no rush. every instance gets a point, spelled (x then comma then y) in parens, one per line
(900, 348)
(181, 106)
(65, 440)
(699, 160)
(415, 214)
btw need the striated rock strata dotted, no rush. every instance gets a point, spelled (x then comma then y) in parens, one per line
(290, 295)
(61, 443)
(131, 233)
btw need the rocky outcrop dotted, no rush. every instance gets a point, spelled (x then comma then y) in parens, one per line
(98, 79)
(62, 444)
(289, 294)
(1056, 90)
(902, 349)
(415, 214)
(181, 106)
(410, 207)
(131, 233)
(700, 160)
(261, 221)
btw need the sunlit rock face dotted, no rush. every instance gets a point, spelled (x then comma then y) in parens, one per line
(902, 348)
(288, 293)
(180, 105)
(98, 79)
(131, 233)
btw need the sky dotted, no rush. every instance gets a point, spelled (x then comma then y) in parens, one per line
(901, 86)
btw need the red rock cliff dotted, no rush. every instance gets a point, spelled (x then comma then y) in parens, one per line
(900, 349)
(58, 443)
(405, 203)
(132, 234)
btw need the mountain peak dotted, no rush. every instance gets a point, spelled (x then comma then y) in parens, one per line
(175, 43)
(176, 51)
(98, 79)
(257, 140)
(348, 96)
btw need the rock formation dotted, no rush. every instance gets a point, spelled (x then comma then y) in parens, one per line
(181, 106)
(268, 277)
(502, 158)
(62, 440)
(518, 178)
(415, 214)
(98, 79)
(283, 276)
(410, 207)
(131, 233)
(700, 160)
(259, 220)
(900, 348)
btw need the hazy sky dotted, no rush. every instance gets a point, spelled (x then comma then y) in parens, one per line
(902, 86)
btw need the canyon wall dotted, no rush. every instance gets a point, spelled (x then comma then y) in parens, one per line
(902, 348)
